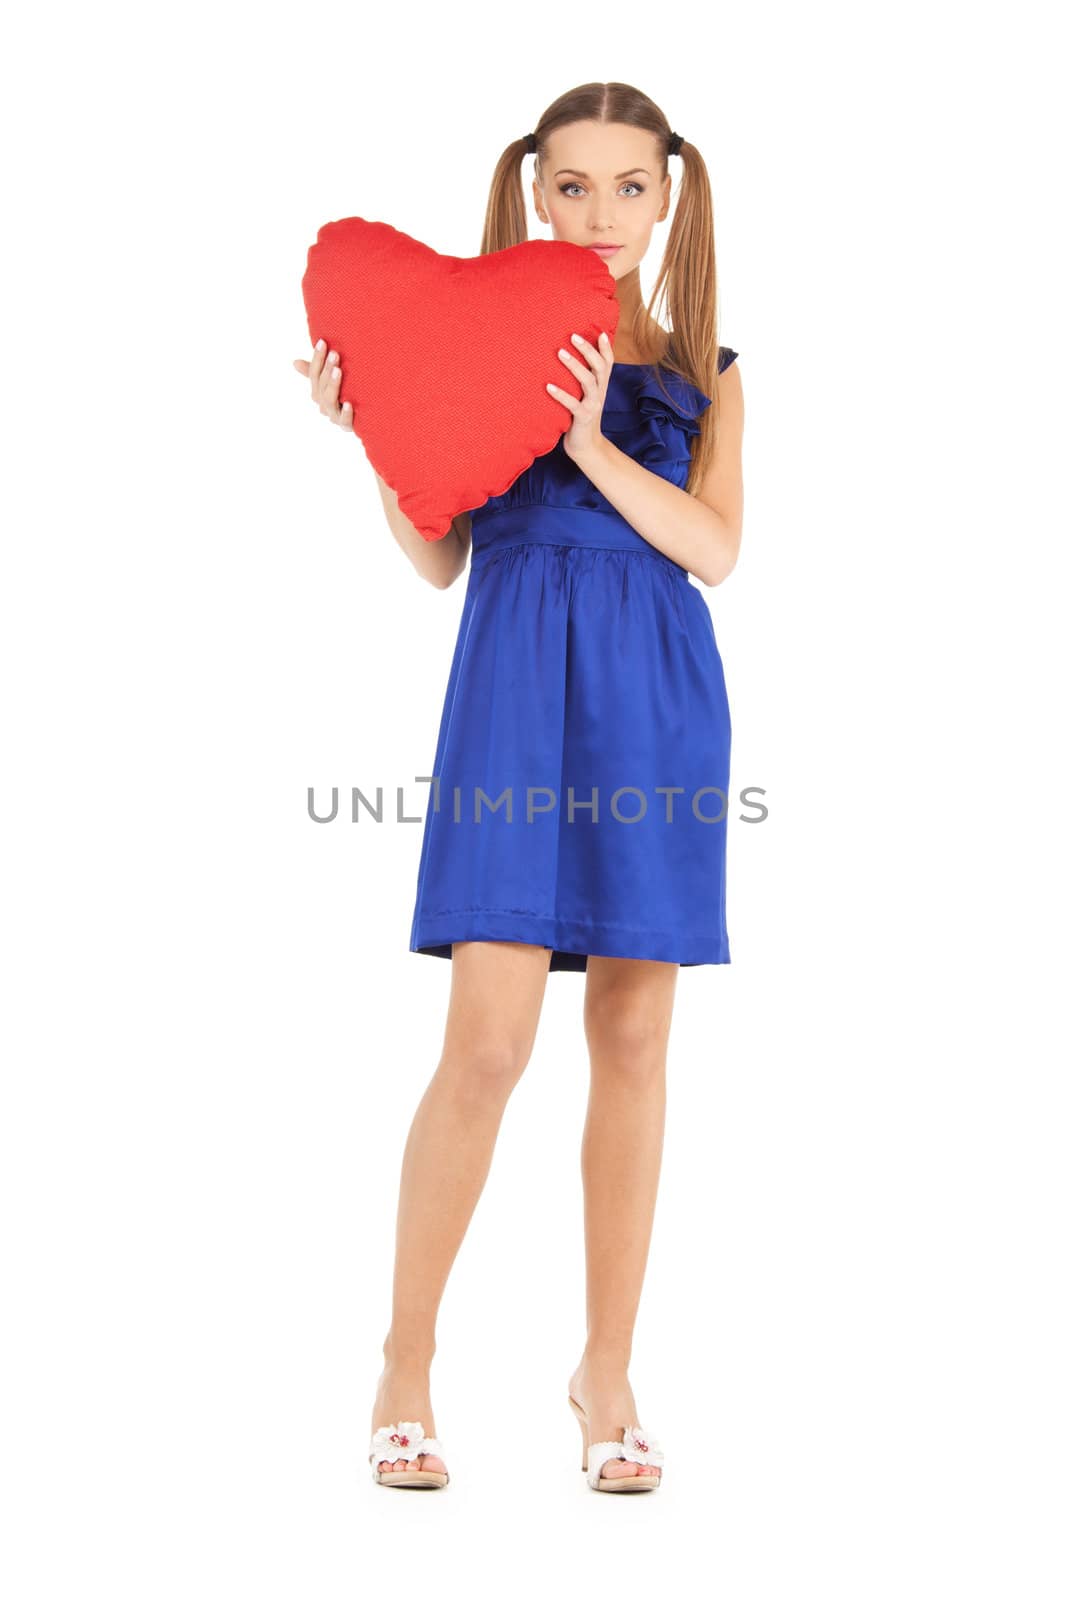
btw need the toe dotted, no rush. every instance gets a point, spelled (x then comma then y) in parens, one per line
(615, 1468)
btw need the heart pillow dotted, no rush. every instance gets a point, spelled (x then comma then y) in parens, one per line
(445, 359)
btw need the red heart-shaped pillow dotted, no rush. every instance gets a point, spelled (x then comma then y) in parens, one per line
(445, 359)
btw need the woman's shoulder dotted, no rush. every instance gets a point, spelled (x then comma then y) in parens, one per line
(666, 352)
(662, 390)
(727, 355)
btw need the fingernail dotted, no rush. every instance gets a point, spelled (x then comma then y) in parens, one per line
(320, 344)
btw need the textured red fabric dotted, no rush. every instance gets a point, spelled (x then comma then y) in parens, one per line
(445, 359)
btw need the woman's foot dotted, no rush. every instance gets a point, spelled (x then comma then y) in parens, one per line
(403, 1396)
(602, 1389)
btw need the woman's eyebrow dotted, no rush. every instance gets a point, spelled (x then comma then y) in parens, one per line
(618, 175)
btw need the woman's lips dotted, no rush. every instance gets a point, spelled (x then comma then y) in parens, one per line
(605, 249)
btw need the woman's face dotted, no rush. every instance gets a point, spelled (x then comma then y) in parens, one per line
(602, 187)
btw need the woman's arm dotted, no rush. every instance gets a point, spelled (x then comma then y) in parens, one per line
(439, 561)
(700, 532)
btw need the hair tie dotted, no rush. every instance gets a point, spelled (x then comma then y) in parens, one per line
(675, 144)
(531, 143)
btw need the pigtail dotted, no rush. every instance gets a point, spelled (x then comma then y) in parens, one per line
(505, 215)
(685, 288)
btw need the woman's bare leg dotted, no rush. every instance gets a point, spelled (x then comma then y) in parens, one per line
(628, 1010)
(494, 1008)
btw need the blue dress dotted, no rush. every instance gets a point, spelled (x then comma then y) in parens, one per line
(583, 760)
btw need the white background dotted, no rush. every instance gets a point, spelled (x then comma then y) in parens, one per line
(851, 1339)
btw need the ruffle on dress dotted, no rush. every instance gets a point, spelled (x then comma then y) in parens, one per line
(668, 410)
(648, 423)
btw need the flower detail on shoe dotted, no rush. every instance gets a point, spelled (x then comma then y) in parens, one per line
(637, 1445)
(403, 1442)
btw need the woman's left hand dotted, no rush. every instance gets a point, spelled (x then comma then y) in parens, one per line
(584, 433)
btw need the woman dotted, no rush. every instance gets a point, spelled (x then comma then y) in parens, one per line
(586, 663)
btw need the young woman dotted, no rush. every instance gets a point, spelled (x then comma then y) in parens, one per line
(586, 683)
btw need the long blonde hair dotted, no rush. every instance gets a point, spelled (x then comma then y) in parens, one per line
(685, 285)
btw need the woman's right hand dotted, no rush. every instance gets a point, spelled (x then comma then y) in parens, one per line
(325, 373)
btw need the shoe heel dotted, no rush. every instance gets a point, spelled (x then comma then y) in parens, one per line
(580, 1414)
(636, 1446)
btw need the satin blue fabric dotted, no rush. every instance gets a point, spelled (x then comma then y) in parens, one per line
(586, 661)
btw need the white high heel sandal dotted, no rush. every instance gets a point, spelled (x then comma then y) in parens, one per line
(405, 1441)
(636, 1446)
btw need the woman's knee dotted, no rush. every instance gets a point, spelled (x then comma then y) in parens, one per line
(630, 1001)
(635, 1045)
(628, 1028)
(497, 993)
(486, 1066)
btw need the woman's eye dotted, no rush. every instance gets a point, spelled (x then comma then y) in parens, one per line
(574, 184)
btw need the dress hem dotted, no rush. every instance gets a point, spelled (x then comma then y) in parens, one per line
(570, 941)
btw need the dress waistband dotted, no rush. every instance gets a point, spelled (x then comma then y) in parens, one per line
(581, 526)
